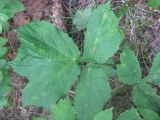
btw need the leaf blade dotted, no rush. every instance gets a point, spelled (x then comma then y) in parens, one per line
(130, 114)
(91, 93)
(145, 97)
(104, 115)
(103, 36)
(63, 110)
(149, 114)
(154, 3)
(47, 58)
(154, 75)
(129, 71)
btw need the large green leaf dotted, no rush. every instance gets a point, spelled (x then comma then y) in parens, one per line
(104, 115)
(130, 114)
(103, 36)
(145, 97)
(47, 56)
(154, 75)
(148, 114)
(129, 71)
(154, 3)
(92, 92)
(63, 110)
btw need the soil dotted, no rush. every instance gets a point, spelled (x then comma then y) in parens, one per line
(142, 35)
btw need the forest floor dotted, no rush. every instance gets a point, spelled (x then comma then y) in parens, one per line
(142, 30)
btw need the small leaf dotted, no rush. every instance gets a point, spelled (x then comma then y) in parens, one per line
(63, 110)
(103, 36)
(92, 92)
(129, 71)
(145, 97)
(104, 115)
(154, 3)
(130, 114)
(154, 75)
(148, 114)
(81, 18)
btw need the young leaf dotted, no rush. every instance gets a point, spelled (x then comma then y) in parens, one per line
(130, 114)
(104, 115)
(47, 56)
(81, 18)
(154, 75)
(63, 110)
(129, 71)
(148, 114)
(92, 92)
(103, 37)
(145, 97)
(154, 3)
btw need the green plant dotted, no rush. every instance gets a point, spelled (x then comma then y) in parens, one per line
(7, 10)
(144, 96)
(51, 62)
(154, 3)
(4, 75)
